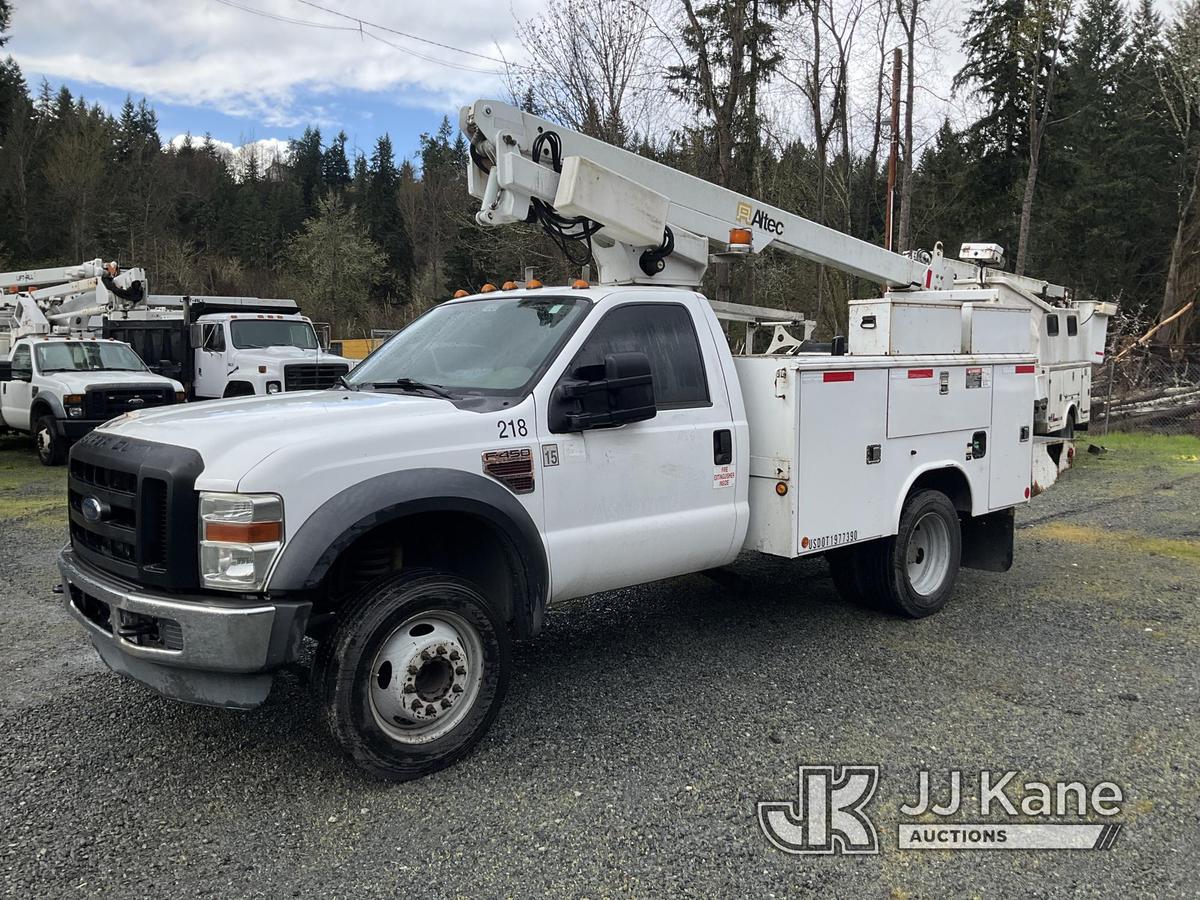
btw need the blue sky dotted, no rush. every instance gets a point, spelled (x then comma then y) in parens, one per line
(253, 70)
(362, 115)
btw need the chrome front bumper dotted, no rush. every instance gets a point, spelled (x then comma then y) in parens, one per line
(200, 649)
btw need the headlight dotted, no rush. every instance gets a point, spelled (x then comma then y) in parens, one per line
(240, 536)
(74, 411)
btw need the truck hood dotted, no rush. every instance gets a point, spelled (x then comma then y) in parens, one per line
(286, 355)
(233, 436)
(79, 382)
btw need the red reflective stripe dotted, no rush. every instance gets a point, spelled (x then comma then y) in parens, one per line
(1026, 370)
(928, 277)
(1099, 352)
(839, 376)
(920, 373)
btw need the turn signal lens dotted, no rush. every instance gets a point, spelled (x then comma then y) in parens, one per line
(180, 396)
(73, 399)
(243, 533)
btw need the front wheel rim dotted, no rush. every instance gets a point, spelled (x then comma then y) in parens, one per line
(44, 442)
(927, 559)
(426, 676)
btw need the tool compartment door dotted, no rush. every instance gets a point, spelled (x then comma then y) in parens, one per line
(843, 498)
(935, 399)
(1011, 434)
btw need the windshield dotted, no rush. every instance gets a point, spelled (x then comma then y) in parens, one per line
(479, 346)
(259, 333)
(86, 356)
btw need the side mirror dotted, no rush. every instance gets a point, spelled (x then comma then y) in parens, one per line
(196, 336)
(616, 393)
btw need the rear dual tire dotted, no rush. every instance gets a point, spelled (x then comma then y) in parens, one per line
(912, 573)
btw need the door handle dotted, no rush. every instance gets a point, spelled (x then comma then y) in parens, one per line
(722, 447)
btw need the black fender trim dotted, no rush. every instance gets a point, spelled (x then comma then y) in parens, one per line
(343, 518)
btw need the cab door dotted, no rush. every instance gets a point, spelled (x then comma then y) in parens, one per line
(212, 369)
(16, 395)
(650, 499)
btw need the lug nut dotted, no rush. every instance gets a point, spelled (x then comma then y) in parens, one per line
(412, 670)
(430, 709)
(410, 688)
(446, 703)
(416, 705)
(425, 654)
(457, 688)
(461, 670)
(441, 650)
(455, 655)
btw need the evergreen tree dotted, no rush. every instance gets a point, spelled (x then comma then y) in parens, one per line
(335, 167)
(307, 167)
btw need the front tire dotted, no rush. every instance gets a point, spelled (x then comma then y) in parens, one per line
(50, 446)
(414, 674)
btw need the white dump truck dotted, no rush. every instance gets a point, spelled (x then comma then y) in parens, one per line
(514, 448)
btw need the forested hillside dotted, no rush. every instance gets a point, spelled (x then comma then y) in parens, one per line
(1082, 158)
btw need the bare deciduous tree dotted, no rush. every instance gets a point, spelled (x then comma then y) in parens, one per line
(591, 66)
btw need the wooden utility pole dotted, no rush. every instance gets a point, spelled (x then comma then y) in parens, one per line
(895, 149)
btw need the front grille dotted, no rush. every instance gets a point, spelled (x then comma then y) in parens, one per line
(132, 507)
(312, 376)
(108, 402)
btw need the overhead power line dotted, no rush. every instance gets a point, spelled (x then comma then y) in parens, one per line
(410, 36)
(362, 27)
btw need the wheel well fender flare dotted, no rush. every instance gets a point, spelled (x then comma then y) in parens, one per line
(43, 406)
(348, 515)
(951, 470)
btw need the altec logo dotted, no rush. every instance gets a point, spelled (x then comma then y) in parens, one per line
(756, 218)
(828, 816)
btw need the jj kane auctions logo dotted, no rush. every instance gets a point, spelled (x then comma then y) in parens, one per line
(829, 814)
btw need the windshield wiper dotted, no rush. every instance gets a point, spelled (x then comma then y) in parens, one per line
(411, 384)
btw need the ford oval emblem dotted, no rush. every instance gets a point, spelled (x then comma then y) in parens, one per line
(136, 401)
(94, 510)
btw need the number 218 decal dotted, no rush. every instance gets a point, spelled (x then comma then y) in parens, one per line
(510, 428)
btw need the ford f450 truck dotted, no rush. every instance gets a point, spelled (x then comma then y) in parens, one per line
(509, 450)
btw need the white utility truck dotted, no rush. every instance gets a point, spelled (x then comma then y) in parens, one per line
(217, 346)
(1069, 336)
(58, 388)
(512, 449)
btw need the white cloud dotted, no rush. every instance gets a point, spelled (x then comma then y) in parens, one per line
(206, 53)
(264, 151)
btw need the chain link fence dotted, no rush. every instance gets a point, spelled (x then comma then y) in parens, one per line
(1148, 389)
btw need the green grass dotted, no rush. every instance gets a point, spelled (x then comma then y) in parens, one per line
(30, 493)
(1178, 451)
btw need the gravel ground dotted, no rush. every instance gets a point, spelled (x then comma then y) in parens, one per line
(643, 726)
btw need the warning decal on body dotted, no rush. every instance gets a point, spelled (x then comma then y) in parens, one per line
(979, 377)
(723, 477)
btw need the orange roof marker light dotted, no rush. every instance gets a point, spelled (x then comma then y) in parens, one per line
(740, 240)
(461, 293)
(487, 288)
(579, 284)
(509, 286)
(533, 283)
